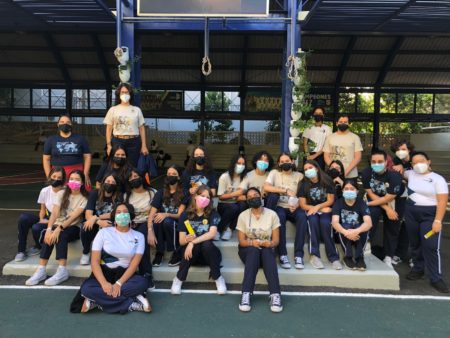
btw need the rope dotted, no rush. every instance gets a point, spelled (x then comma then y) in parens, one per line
(206, 66)
(292, 70)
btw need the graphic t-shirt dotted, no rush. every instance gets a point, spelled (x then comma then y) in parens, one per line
(125, 120)
(422, 189)
(316, 137)
(118, 248)
(390, 182)
(66, 151)
(172, 208)
(316, 195)
(255, 228)
(48, 197)
(99, 208)
(284, 181)
(200, 224)
(141, 201)
(227, 186)
(342, 147)
(75, 202)
(198, 178)
(351, 216)
(252, 179)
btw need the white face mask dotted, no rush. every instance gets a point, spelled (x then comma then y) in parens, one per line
(402, 154)
(125, 98)
(239, 168)
(421, 168)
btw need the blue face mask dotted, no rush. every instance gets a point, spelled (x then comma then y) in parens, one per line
(349, 194)
(122, 219)
(311, 173)
(377, 167)
(262, 165)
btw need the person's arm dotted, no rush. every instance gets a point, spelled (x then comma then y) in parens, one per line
(131, 270)
(440, 212)
(98, 273)
(305, 145)
(46, 164)
(87, 160)
(144, 149)
(72, 217)
(109, 131)
(42, 214)
(377, 200)
(206, 236)
(354, 163)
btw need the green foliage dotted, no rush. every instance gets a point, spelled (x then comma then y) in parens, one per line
(215, 101)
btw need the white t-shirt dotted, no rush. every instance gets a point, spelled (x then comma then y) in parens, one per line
(252, 179)
(125, 120)
(260, 228)
(77, 201)
(422, 189)
(142, 205)
(316, 137)
(48, 197)
(342, 147)
(285, 181)
(118, 248)
(227, 186)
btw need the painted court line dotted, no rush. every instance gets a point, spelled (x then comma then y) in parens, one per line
(8, 209)
(235, 292)
(23, 174)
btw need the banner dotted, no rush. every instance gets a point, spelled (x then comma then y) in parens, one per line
(161, 100)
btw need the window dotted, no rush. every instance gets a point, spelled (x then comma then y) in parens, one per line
(234, 101)
(58, 98)
(40, 98)
(405, 104)
(80, 99)
(97, 99)
(347, 102)
(214, 101)
(424, 103)
(192, 100)
(365, 103)
(387, 103)
(442, 104)
(21, 98)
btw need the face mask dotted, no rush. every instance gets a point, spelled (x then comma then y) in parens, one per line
(342, 126)
(262, 165)
(239, 168)
(201, 201)
(120, 161)
(109, 188)
(349, 194)
(254, 202)
(377, 167)
(125, 98)
(402, 154)
(136, 183)
(311, 173)
(333, 173)
(318, 118)
(56, 183)
(421, 168)
(200, 160)
(171, 180)
(74, 185)
(122, 219)
(65, 128)
(286, 166)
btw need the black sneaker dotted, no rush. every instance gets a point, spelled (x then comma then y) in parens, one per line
(175, 259)
(158, 259)
(151, 283)
(415, 275)
(245, 305)
(440, 286)
(349, 263)
(360, 264)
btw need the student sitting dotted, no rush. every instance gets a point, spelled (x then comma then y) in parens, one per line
(336, 172)
(117, 164)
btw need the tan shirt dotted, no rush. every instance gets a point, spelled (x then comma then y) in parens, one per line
(285, 181)
(227, 186)
(343, 148)
(260, 228)
(142, 205)
(77, 201)
(125, 120)
(252, 179)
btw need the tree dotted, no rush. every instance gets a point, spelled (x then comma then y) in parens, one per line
(215, 101)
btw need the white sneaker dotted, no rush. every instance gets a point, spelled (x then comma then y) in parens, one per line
(217, 237)
(140, 304)
(60, 276)
(245, 305)
(275, 302)
(284, 262)
(37, 277)
(226, 236)
(88, 305)
(337, 265)
(144, 301)
(176, 286)
(316, 262)
(298, 263)
(85, 259)
(411, 264)
(396, 260)
(33, 251)
(388, 261)
(221, 286)
(20, 257)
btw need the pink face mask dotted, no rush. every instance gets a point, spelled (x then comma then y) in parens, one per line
(74, 185)
(202, 202)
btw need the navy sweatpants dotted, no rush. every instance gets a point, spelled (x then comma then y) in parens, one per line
(298, 217)
(254, 258)
(24, 224)
(229, 213)
(166, 235)
(425, 252)
(391, 229)
(319, 226)
(359, 245)
(204, 253)
(145, 266)
(66, 236)
(402, 250)
(87, 237)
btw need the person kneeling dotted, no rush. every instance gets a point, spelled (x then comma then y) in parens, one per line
(259, 234)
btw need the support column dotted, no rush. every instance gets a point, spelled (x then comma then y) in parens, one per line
(376, 119)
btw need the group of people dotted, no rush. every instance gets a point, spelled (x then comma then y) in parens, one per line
(120, 220)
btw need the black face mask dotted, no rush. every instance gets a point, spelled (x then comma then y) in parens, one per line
(56, 183)
(343, 127)
(286, 166)
(200, 160)
(65, 128)
(318, 118)
(254, 202)
(109, 188)
(333, 173)
(120, 161)
(171, 180)
(136, 183)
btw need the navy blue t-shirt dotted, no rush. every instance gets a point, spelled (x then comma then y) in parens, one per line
(99, 208)
(200, 224)
(317, 194)
(406, 164)
(66, 150)
(390, 182)
(158, 203)
(106, 170)
(351, 216)
(198, 177)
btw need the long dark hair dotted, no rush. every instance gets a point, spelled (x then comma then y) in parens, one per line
(341, 167)
(124, 171)
(101, 192)
(129, 207)
(258, 156)
(130, 90)
(192, 208)
(57, 170)
(144, 184)
(232, 165)
(323, 179)
(286, 153)
(68, 191)
(178, 195)
(207, 167)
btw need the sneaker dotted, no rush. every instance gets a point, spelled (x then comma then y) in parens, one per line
(20, 257)
(316, 262)
(388, 261)
(221, 286)
(275, 302)
(217, 237)
(151, 284)
(245, 305)
(415, 275)
(158, 259)
(298, 263)
(144, 301)
(140, 304)
(337, 265)
(396, 260)
(440, 286)
(88, 305)
(33, 251)
(175, 259)
(226, 236)
(60, 276)
(349, 263)
(85, 259)
(284, 262)
(411, 264)
(360, 264)
(176, 287)
(37, 277)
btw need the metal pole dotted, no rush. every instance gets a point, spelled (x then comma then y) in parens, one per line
(118, 22)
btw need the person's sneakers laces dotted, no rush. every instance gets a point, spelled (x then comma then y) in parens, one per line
(37, 277)
(60, 276)
(217, 237)
(275, 303)
(337, 265)
(140, 304)
(360, 264)
(316, 262)
(298, 263)
(415, 275)
(85, 259)
(88, 305)
(176, 287)
(440, 286)
(33, 251)
(175, 259)
(284, 262)
(349, 263)
(396, 260)
(245, 305)
(158, 259)
(388, 261)
(226, 236)
(20, 257)
(221, 286)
